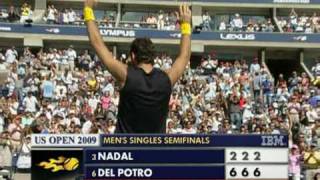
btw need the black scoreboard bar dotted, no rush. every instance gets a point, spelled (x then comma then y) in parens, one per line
(163, 157)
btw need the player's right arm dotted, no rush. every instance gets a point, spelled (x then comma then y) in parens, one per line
(115, 67)
(183, 59)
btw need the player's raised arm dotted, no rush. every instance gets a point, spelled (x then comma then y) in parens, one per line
(116, 68)
(185, 45)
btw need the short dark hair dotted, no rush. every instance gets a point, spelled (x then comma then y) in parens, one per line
(143, 50)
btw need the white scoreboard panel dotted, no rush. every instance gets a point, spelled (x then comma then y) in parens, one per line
(256, 155)
(276, 172)
(256, 163)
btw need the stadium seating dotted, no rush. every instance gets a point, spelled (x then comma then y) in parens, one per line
(253, 69)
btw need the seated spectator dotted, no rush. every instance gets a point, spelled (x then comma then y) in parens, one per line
(269, 26)
(3, 15)
(222, 26)
(250, 27)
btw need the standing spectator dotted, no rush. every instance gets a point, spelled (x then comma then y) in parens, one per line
(206, 19)
(237, 23)
(13, 15)
(256, 86)
(16, 130)
(72, 55)
(255, 66)
(293, 19)
(235, 112)
(11, 55)
(72, 16)
(47, 88)
(267, 91)
(161, 20)
(30, 103)
(25, 13)
(65, 16)
(294, 163)
(52, 12)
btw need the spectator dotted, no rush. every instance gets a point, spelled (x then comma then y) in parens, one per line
(222, 26)
(26, 13)
(206, 19)
(52, 12)
(237, 23)
(294, 163)
(161, 20)
(13, 15)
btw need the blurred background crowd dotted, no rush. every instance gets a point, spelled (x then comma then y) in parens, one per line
(56, 91)
(60, 91)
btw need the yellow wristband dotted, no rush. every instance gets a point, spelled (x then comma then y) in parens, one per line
(88, 14)
(185, 28)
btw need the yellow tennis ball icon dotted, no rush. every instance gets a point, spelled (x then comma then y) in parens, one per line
(71, 164)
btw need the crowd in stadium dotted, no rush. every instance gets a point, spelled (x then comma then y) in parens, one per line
(300, 23)
(168, 20)
(162, 21)
(13, 14)
(66, 16)
(237, 24)
(65, 91)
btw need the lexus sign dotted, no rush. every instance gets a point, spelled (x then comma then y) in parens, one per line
(234, 36)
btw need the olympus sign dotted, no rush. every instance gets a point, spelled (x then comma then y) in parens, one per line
(117, 33)
(246, 37)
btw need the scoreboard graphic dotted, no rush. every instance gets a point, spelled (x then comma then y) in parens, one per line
(160, 157)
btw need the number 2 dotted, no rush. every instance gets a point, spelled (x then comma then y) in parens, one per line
(257, 158)
(245, 156)
(234, 156)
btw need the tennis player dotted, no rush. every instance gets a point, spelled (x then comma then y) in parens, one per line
(145, 91)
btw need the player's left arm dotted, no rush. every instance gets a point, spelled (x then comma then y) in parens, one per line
(116, 68)
(183, 59)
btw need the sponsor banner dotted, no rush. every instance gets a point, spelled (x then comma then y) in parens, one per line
(234, 36)
(5, 28)
(65, 140)
(157, 34)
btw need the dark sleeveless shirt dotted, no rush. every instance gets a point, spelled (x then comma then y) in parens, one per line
(144, 101)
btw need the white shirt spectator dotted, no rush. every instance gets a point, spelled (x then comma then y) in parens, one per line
(93, 102)
(51, 14)
(61, 91)
(3, 67)
(237, 22)
(30, 104)
(222, 26)
(72, 54)
(86, 127)
(72, 16)
(254, 68)
(65, 18)
(11, 55)
(68, 121)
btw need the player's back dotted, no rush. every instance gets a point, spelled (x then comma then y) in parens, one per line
(144, 100)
